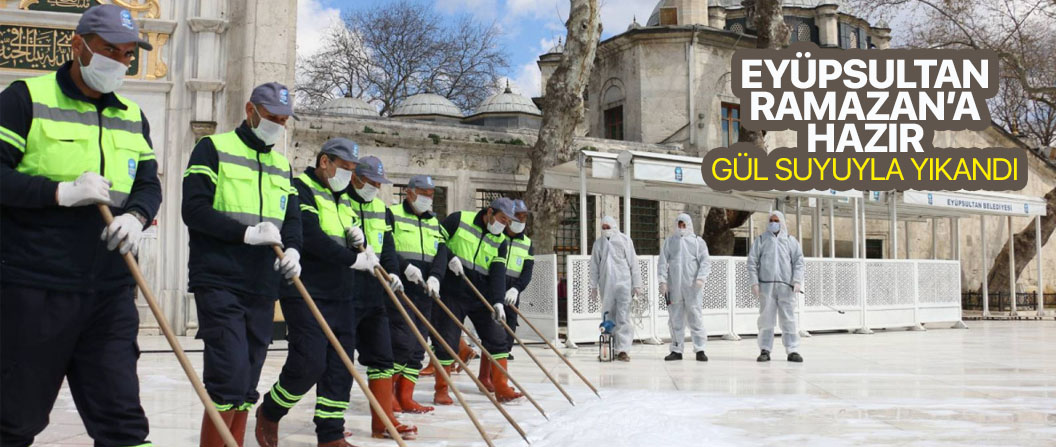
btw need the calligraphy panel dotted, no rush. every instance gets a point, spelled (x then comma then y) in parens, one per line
(40, 48)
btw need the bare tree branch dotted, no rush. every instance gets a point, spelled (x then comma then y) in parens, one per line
(388, 52)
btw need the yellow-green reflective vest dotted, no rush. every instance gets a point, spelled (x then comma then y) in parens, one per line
(472, 247)
(334, 217)
(68, 137)
(416, 239)
(372, 217)
(251, 187)
(517, 254)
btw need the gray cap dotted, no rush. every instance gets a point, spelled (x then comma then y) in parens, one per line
(274, 97)
(111, 23)
(342, 148)
(519, 206)
(371, 169)
(421, 182)
(505, 206)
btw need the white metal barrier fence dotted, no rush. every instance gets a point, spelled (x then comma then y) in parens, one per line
(538, 303)
(872, 293)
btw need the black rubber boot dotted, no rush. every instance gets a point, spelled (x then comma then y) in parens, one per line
(763, 356)
(795, 357)
(673, 356)
(701, 357)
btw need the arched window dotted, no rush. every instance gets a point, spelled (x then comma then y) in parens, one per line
(612, 105)
(737, 28)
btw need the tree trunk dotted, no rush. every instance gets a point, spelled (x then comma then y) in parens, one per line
(771, 32)
(997, 279)
(562, 114)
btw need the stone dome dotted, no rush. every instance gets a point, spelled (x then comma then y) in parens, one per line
(427, 104)
(784, 3)
(654, 17)
(508, 102)
(349, 106)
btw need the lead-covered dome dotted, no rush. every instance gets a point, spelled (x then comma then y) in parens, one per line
(425, 104)
(349, 106)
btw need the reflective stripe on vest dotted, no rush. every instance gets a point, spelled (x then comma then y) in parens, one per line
(516, 256)
(251, 187)
(416, 239)
(334, 217)
(475, 251)
(68, 137)
(372, 221)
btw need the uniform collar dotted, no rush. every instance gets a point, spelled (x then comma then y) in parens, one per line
(69, 88)
(245, 133)
(410, 209)
(310, 172)
(479, 220)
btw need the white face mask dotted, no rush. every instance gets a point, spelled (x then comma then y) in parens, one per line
(496, 227)
(368, 192)
(517, 227)
(685, 232)
(268, 131)
(340, 180)
(422, 204)
(102, 74)
(608, 233)
(774, 227)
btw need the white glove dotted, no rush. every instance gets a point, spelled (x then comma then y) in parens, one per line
(89, 188)
(355, 235)
(511, 297)
(264, 233)
(699, 283)
(593, 293)
(755, 290)
(366, 261)
(455, 265)
(432, 285)
(394, 282)
(414, 274)
(797, 287)
(290, 264)
(663, 288)
(125, 230)
(500, 313)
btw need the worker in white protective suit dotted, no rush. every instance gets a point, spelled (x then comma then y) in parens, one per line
(775, 272)
(684, 266)
(614, 271)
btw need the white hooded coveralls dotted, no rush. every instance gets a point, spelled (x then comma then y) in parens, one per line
(683, 261)
(614, 272)
(775, 264)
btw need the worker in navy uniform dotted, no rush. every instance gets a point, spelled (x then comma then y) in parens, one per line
(519, 265)
(520, 262)
(478, 249)
(423, 260)
(238, 203)
(373, 306)
(67, 143)
(330, 236)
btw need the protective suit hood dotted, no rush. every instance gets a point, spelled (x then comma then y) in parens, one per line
(611, 222)
(781, 219)
(689, 223)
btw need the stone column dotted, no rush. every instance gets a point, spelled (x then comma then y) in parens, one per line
(882, 36)
(828, 29)
(717, 17)
(261, 46)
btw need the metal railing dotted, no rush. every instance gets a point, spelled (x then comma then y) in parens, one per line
(1001, 302)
